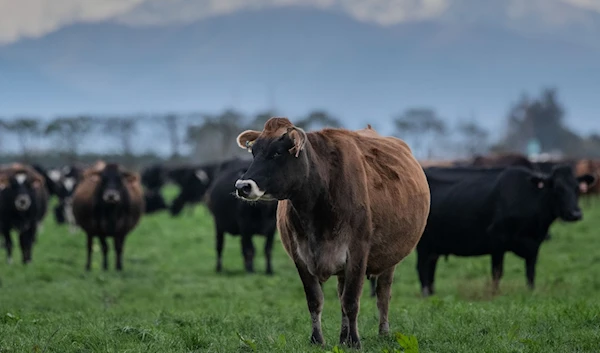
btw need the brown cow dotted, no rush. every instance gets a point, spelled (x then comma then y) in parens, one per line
(502, 160)
(108, 202)
(588, 166)
(351, 203)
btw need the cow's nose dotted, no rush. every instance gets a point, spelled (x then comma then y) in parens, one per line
(243, 187)
(576, 215)
(22, 202)
(111, 196)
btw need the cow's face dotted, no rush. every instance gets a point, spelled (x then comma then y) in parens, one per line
(20, 189)
(279, 165)
(112, 181)
(565, 189)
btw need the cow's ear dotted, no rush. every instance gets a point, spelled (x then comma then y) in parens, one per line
(585, 182)
(131, 178)
(298, 136)
(247, 138)
(539, 181)
(202, 176)
(93, 175)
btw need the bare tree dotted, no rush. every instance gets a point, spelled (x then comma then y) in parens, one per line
(26, 129)
(172, 122)
(214, 138)
(70, 132)
(474, 137)
(418, 125)
(123, 129)
(318, 119)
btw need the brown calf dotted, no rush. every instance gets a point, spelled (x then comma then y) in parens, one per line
(351, 203)
(589, 166)
(108, 202)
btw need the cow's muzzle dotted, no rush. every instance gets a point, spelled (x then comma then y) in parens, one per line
(111, 196)
(247, 189)
(23, 202)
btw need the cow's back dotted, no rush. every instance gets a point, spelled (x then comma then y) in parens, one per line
(462, 206)
(398, 194)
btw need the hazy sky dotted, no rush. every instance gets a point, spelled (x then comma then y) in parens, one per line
(24, 18)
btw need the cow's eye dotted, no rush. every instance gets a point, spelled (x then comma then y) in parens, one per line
(275, 155)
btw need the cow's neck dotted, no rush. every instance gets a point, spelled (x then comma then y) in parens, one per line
(311, 201)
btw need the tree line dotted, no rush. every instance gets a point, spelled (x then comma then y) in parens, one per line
(208, 137)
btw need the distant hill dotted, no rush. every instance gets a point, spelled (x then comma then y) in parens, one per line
(307, 58)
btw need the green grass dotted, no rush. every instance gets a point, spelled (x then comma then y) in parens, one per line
(169, 298)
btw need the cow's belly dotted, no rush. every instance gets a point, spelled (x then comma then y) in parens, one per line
(326, 259)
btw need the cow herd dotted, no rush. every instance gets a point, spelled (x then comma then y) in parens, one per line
(350, 204)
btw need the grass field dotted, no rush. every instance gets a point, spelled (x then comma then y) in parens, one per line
(169, 298)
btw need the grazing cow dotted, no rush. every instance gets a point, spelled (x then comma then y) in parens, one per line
(502, 160)
(351, 203)
(237, 217)
(154, 177)
(67, 178)
(490, 211)
(108, 202)
(194, 181)
(23, 204)
(154, 201)
(52, 188)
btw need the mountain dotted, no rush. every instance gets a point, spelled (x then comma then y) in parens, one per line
(307, 58)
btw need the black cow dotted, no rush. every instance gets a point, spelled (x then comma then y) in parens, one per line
(154, 177)
(154, 201)
(492, 211)
(67, 178)
(23, 204)
(194, 181)
(236, 217)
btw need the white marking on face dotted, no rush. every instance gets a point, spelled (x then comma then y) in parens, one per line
(69, 183)
(21, 177)
(54, 175)
(202, 176)
(254, 193)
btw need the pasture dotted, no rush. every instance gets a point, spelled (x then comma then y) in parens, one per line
(170, 299)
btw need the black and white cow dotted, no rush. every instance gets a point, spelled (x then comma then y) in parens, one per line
(23, 204)
(66, 178)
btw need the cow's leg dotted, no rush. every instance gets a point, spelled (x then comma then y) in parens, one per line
(26, 239)
(8, 245)
(530, 263)
(248, 251)
(90, 243)
(268, 252)
(104, 247)
(497, 270)
(119, 243)
(373, 281)
(314, 300)
(431, 273)
(220, 243)
(384, 294)
(345, 331)
(423, 270)
(356, 267)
